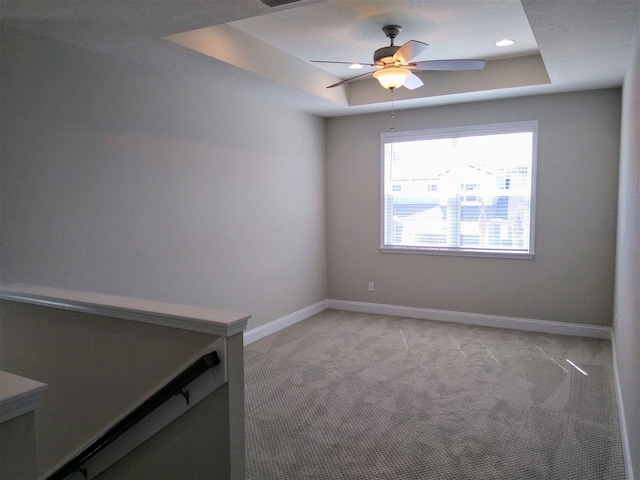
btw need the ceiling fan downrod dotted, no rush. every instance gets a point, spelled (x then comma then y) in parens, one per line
(391, 31)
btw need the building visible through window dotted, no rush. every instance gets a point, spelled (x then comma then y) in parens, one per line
(460, 191)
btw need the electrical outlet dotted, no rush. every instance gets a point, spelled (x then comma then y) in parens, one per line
(371, 286)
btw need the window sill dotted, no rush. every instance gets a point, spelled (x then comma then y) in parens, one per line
(457, 253)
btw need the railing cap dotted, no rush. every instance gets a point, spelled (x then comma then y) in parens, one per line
(205, 320)
(18, 395)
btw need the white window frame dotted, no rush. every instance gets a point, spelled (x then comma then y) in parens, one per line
(452, 132)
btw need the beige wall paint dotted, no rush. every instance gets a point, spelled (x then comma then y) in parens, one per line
(571, 277)
(195, 446)
(627, 292)
(96, 368)
(18, 448)
(120, 179)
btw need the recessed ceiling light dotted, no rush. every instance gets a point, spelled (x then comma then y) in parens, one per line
(505, 43)
(355, 66)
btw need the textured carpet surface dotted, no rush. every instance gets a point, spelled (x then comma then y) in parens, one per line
(352, 396)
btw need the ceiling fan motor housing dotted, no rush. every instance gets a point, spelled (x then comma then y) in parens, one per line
(391, 31)
(384, 52)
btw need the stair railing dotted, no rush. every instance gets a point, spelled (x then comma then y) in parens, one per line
(177, 386)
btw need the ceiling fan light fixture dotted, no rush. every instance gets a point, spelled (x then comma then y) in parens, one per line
(391, 77)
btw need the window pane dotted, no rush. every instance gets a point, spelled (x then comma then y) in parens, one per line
(461, 192)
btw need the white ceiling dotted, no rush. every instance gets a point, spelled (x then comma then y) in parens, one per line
(561, 45)
(343, 30)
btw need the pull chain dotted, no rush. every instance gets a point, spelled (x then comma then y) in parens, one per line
(393, 115)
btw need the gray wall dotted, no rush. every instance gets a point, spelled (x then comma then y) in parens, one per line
(192, 447)
(69, 351)
(125, 180)
(627, 292)
(18, 448)
(571, 277)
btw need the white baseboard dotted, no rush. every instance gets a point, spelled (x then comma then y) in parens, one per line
(622, 418)
(262, 331)
(544, 326)
(526, 324)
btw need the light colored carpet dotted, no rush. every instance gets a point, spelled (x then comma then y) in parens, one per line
(352, 396)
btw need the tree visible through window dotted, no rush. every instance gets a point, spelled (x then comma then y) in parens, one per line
(465, 190)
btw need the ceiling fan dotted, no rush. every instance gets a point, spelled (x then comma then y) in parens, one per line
(394, 63)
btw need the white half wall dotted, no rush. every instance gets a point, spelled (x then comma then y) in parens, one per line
(97, 369)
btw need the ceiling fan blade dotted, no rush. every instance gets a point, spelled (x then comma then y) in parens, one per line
(412, 82)
(343, 63)
(349, 80)
(409, 51)
(450, 65)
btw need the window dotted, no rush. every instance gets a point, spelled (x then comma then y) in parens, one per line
(460, 191)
